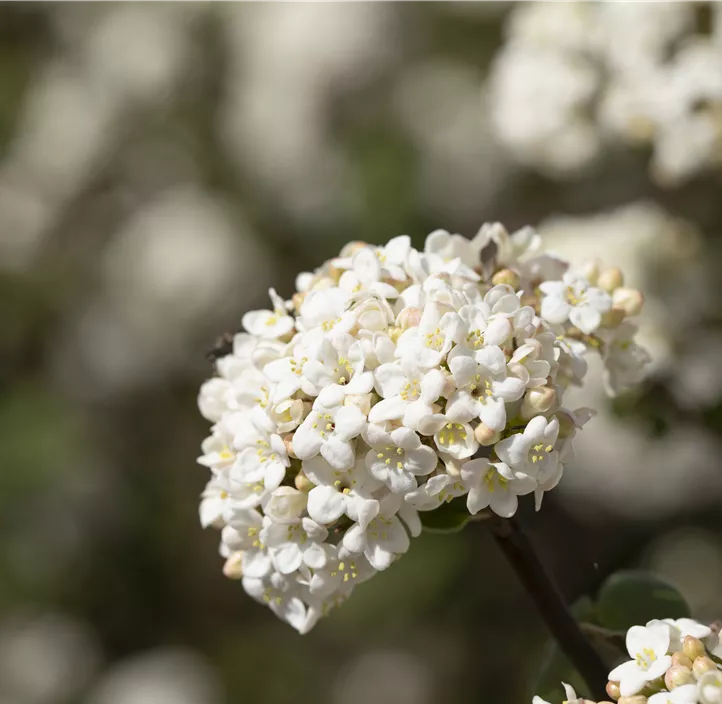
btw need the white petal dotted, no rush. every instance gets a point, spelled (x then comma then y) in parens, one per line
(256, 563)
(349, 422)
(554, 310)
(390, 379)
(325, 504)
(306, 441)
(586, 318)
(287, 558)
(338, 453)
(388, 409)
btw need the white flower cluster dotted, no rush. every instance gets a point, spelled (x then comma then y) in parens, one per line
(596, 72)
(672, 662)
(393, 382)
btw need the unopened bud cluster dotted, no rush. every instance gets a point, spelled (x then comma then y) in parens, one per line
(393, 382)
(672, 662)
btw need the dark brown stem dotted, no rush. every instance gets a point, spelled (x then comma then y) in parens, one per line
(539, 586)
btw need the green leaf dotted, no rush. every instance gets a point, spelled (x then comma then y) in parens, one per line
(448, 518)
(632, 597)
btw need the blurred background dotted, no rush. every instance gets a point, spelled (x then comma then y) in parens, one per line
(161, 165)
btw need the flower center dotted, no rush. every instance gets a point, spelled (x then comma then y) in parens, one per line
(452, 434)
(480, 389)
(411, 391)
(645, 658)
(539, 453)
(345, 571)
(475, 339)
(324, 425)
(575, 297)
(434, 339)
(392, 455)
(297, 366)
(492, 475)
(344, 369)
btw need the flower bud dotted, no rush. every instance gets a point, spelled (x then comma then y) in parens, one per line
(590, 271)
(408, 318)
(678, 675)
(361, 401)
(613, 690)
(703, 664)
(680, 658)
(636, 699)
(288, 444)
(612, 318)
(537, 401)
(630, 300)
(232, 568)
(693, 647)
(303, 483)
(506, 276)
(485, 436)
(610, 279)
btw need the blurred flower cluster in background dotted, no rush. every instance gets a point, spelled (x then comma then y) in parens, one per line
(162, 165)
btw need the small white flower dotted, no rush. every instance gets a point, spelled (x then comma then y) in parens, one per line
(648, 649)
(269, 324)
(571, 696)
(685, 694)
(282, 600)
(381, 541)
(292, 545)
(625, 361)
(329, 431)
(441, 488)
(408, 394)
(483, 387)
(575, 300)
(243, 533)
(285, 505)
(709, 688)
(493, 484)
(398, 457)
(456, 439)
(337, 493)
(532, 451)
(337, 364)
(427, 344)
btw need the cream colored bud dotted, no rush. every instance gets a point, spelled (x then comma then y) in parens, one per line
(537, 401)
(610, 279)
(408, 318)
(680, 658)
(677, 675)
(232, 569)
(590, 271)
(703, 664)
(361, 401)
(486, 436)
(612, 318)
(636, 699)
(630, 300)
(297, 300)
(506, 276)
(351, 248)
(288, 444)
(303, 483)
(693, 647)
(613, 690)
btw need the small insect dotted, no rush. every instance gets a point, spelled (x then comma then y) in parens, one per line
(221, 347)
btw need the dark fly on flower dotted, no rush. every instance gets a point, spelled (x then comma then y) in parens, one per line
(221, 347)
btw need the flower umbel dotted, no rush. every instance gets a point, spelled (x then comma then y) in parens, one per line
(394, 382)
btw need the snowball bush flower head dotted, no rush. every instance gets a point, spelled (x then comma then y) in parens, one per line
(393, 383)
